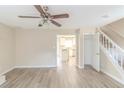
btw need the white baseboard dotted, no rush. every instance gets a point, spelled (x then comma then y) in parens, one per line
(81, 67)
(113, 77)
(7, 71)
(27, 67)
(2, 79)
(36, 66)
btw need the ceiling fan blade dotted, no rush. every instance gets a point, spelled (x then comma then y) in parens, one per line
(60, 16)
(39, 9)
(55, 23)
(29, 17)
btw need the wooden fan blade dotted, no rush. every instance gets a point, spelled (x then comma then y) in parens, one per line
(55, 23)
(29, 17)
(60, 16)
(39, 9)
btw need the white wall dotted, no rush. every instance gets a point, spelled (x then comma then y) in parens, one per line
(28, 47)
(7, 48)
(37, 47)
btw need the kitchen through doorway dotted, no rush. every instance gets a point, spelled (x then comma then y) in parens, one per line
(66, 50)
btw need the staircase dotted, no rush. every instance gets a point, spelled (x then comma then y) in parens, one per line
(2, 79)
(112, 51)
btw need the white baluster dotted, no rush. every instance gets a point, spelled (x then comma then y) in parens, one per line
(103, 41)
(113, 52)
(109, 47)
(107, 44)
(117, 55)
(122, 60)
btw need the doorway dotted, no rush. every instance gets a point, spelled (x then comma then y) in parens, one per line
(88, 50)
(92, 51)
(66, 50)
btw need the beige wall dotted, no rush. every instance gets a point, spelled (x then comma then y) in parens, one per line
(7, 48)
(118, 26)
(115, 31)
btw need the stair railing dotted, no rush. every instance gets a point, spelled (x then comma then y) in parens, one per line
(115, 51)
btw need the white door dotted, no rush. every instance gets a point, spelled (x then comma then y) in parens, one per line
(96, 53)
(88, 51)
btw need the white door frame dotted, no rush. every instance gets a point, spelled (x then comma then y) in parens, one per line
(96, 59)
(96, 53)
(84, 46)
(58, 36)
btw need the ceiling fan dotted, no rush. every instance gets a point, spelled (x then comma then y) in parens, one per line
(46, 16)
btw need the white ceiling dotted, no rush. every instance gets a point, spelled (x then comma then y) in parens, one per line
(80, 16)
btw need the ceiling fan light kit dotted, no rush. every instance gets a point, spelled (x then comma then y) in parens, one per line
(42, 22)
(40, 25)
(46, 16)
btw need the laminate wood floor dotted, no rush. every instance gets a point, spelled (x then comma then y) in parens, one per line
(61, 77)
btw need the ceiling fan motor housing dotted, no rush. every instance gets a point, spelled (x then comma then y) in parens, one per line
(45, 8)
